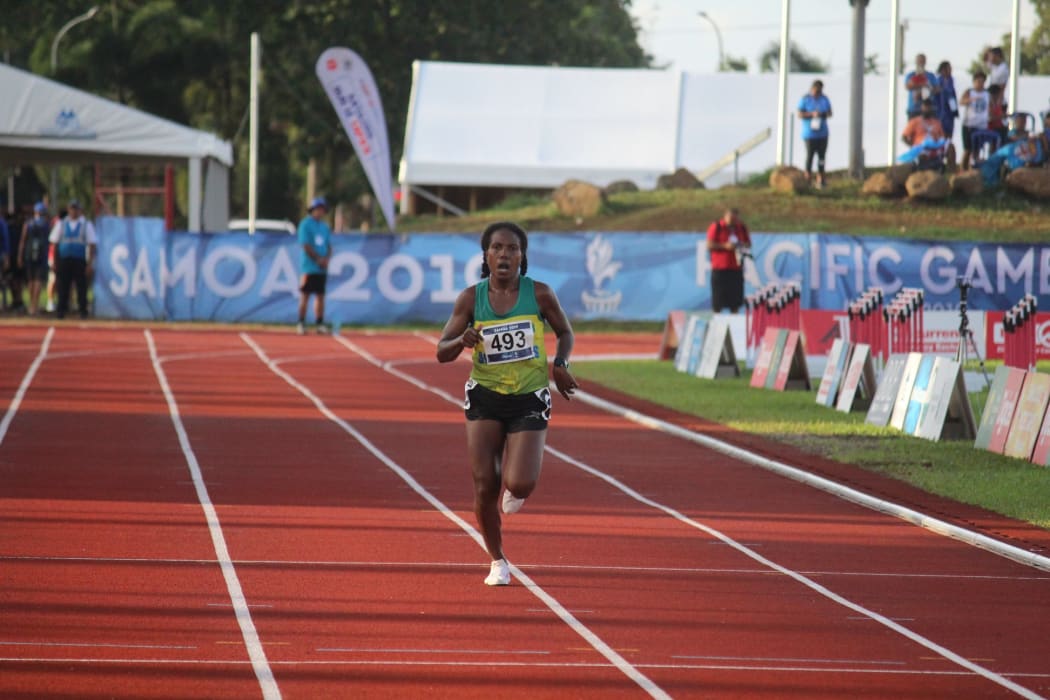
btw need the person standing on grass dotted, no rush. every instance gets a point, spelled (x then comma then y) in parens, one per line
(814, 109)
(728, 243)
(315, 238)
(75, 244)
(508, 399)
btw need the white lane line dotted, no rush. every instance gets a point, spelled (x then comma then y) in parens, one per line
(605, 650)
(805, 581)
(16, 643)
(927, 522)
(799, 577)
(293, 663)
(98, 352)
(20, 393)
(256, 653)
(844, 492)
(194, 356)
(485, 652)
(789, 660)
(549, 567)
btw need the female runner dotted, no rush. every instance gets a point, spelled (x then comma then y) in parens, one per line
(508, 402)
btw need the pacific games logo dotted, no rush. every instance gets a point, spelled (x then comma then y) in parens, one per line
(601, 267)
(68, 126)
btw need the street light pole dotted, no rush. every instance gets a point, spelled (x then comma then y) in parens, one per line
(718, 34)
(62, 32)
(54, 66)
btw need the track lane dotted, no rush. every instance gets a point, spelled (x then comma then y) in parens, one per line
(371, 596)
(109, 582)
(837, 537)
(577, 537)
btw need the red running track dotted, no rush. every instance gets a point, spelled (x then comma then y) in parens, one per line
(213, 514)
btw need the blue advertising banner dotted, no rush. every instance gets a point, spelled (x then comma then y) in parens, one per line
(145, 273)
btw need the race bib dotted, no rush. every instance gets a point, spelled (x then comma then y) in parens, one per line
(508, 342)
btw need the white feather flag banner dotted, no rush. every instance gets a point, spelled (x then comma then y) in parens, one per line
(352, 92)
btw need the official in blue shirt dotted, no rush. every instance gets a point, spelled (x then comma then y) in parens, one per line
(75, 245)
(315, 238)
(814, 109)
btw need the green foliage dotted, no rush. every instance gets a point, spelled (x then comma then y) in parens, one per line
(521, 200)
(188, 61)
(735, 64)
(1035, 49)
(798, 60)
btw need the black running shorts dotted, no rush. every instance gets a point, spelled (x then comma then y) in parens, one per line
(314, 284)
(517, 412)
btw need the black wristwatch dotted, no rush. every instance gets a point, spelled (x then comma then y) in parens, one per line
(559, 362)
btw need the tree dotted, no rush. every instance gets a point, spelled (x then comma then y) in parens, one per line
(735, 64)
(1035, 48)
(798, 60)
(187, 60)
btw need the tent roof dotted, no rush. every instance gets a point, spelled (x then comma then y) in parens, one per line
(529, 126)
(537, 126)
(45, 121)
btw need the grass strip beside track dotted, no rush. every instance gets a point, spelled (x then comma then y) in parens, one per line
(954, 469)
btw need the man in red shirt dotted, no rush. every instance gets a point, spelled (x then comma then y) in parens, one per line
(727, 243)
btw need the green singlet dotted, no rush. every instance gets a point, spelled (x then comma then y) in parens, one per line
(511, 359)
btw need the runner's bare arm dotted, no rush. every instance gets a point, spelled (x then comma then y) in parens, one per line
(459, 331)
(551, 309)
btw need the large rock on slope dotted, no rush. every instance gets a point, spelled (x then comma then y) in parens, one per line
(579, 199)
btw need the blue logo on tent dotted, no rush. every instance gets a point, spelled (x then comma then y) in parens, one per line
(68, 126)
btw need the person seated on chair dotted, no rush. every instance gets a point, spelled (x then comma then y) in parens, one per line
(1018, 128)
(926, 128)
(1033, 151)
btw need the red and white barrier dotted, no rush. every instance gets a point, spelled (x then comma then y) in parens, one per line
(867, 323)
(1019, 326)
(905, 322)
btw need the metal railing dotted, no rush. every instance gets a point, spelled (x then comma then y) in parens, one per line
(734, 156)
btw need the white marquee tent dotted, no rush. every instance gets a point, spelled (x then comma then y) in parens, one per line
(482, 125)
(44, 122)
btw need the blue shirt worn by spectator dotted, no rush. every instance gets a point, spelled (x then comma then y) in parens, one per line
(317, 235)
(5, 239)
(917, 95)
(821, 104)
(947, 104)
(73, 238)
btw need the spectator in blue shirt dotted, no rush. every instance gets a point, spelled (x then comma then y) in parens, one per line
(6, 260)
(945, 99)
(315, 238)
(921, 84)
(814, 109)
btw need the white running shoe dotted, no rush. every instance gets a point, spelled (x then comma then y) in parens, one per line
(300, 329)
(511, 504)
(499, 574)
